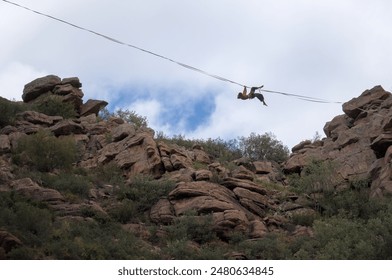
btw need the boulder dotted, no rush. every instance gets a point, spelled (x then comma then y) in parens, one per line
(182, 175)
(39, 118)
(253, 201)
(228, 221)
(26, 127)
(221, 171)
(179, 161)
(92, 106)
(66, 89)
(233, 183)
(97, 128)
(338, 123)
(162, 212)
(67, 127)
(203, 175)
(28, 188)
(8, 129)
(175, 157)
(358, 105)
(301, 145)
(200, 155)
(70, 94)
(73, 81)
(138, 154)
(203, 197)
(242, 173)
(257, 229)
(122, 131)
(263, 167)
(167, 164)
(39, 86)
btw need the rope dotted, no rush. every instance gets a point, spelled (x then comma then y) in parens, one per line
(302, 97)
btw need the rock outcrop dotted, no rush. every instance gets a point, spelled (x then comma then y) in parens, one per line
(243, 196)
(235, 197)
(67, 89)
(358, 142)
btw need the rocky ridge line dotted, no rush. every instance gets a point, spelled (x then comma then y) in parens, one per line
(239, 199)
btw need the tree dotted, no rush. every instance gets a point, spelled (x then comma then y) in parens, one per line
(263, 147)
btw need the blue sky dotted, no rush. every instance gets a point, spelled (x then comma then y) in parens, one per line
(186, 115)
(325, 49)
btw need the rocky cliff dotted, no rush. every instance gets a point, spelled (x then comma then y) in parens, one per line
(249, 198)
(358, 142)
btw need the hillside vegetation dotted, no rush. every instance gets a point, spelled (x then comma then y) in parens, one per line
(78, 182)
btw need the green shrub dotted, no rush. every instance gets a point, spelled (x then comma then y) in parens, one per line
(99, 217)
(31, 223)
(32, 220)
(180, 250)
(54, 106)
(44, 152)
(304, 219)
(124, 211)
(351, 203)
(145, 192)
(222, 150)
(188, 250)
(255, 147)
(341, 238)
(316, 177)
(218, 149)
(109, 173)
(92, 241)
(9, 110)
(271, 247)
(68, 183)
(191, 227)
(263, 147)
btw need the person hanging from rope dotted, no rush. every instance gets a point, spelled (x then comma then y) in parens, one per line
(244, 96)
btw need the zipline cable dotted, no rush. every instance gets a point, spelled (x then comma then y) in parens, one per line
(302, 97)
(123, 43)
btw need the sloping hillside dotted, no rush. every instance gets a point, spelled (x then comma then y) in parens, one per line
(76, 185)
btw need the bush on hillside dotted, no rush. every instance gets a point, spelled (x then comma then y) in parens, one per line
(45, 152)
(54, 106)
(140, 196)
(316, 177)
(9, 110)
(67, 183)
(263, 147)
(254, 147)
(192, 227)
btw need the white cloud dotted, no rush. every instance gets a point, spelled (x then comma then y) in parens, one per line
(151, 109)
(14, 76)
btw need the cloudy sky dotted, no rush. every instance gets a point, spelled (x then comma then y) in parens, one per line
(324, 49)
